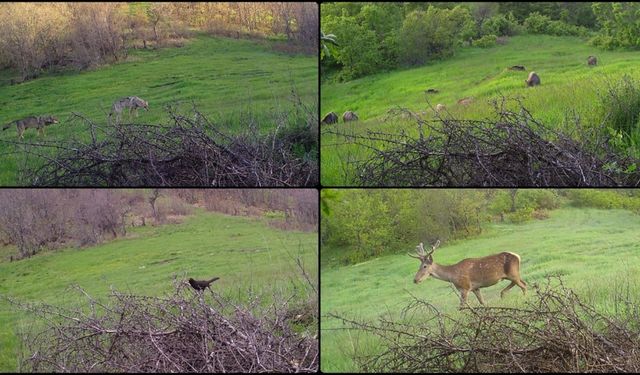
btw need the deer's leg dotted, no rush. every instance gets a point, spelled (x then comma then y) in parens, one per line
(522, 286)
(463, 297)
(513, 283)
(478, 295)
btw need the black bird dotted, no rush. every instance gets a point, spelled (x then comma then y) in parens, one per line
(201, 285)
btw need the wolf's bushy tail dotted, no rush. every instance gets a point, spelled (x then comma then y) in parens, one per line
(7, 126)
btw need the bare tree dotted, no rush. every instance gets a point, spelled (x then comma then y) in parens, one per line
(155, 194)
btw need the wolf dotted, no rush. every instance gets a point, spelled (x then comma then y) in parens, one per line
(131, 102)
(38, 122)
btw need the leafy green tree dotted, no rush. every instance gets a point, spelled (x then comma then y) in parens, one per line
(619, 24)
(432, 34)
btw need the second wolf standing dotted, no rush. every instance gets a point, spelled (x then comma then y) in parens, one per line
(38, 122)
(131, 102)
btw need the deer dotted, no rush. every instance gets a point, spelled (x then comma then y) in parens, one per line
(471, 274)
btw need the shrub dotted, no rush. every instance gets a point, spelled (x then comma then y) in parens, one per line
(486, 41)
(500, 25)
(433, 34)
(540, 214)
(619, 24)
(521, 215)
(621, 104)
(537, 23)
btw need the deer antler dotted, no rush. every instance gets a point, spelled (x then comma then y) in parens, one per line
(422, 255)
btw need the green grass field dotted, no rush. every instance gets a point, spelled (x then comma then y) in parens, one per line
(244, 253)
(597, 252)
(227, 79)
(568, 85)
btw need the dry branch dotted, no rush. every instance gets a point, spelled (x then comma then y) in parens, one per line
(190, 151)
(512, 150)
(555, 331)
(186, 332)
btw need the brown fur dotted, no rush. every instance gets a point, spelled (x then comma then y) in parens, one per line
(532, 80)
(330, 118)
(471, 274)
(349, 116)
(592, 60)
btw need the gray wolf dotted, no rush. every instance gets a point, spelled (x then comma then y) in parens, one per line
(131, 102)
(38, 122)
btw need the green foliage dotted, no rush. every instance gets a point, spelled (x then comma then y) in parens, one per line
(325, 41)
(360, 220)
(486, 41)
(501, 25)
(382, 36)
(521, 215)
(607, 199)
(572, 13)
(433, 34)
(621, 106)
(538, 23)
(366, 35)
(525, 199)
(425, 36)
(619, 25)
(375, 222)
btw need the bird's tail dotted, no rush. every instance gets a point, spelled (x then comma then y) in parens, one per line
(214, 279)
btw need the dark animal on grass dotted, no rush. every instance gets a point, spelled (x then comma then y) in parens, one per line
(471, 274)
(532, 80)
(432, 91)
(517, 67)
(592, 60)
(349, 116)
(201, 285)
(330, 118)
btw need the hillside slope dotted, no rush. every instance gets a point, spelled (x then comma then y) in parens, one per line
(597, 252)
(231, 81)
(568, 85)
(244, 253)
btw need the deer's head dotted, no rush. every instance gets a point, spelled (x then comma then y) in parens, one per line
(426, 262)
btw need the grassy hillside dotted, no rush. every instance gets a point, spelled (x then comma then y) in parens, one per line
(597, 252)
(568, 85)
(228, 79)
(242, 252)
